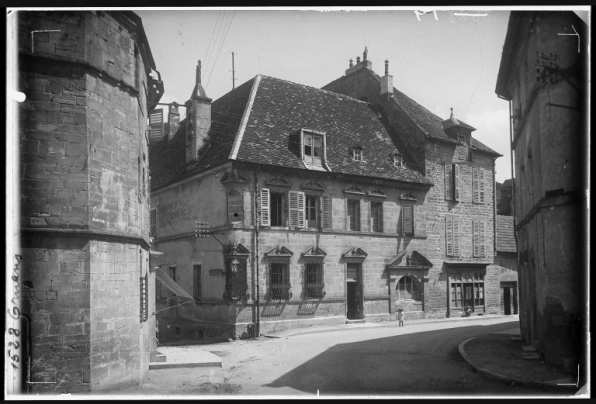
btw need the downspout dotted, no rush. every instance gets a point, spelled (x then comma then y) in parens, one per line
(494, 210)
(256, 249)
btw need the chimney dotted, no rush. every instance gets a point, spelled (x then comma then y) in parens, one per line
(387, 81)
(173, 119)
(198, 121)
(365, 64)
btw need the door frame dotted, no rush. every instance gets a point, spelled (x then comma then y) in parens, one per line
(359, 298)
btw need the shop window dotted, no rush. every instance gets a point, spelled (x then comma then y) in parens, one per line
(467, 289)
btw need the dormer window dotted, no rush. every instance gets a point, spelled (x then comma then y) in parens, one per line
(398, 160)
(357, 154)
(461, 138)
(313, 149)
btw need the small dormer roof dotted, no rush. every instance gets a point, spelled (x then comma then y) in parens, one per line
(452, 122)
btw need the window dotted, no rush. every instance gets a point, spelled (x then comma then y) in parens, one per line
(467, 289)
(144, 294)
(235, 206)
(279, 280)
(313, 280)
(461, 137)
(407, 289)
(313, 149)
(398, 160)
(297, 211)
(452, 182)
(452, 227)
(376, 217)
(408, 219)
(312, 211)
(354, 214)
(277, 209)
(357, 154)
(479, 238)
(478, 185)
(327, 212)
(196, 284)
(236, 281)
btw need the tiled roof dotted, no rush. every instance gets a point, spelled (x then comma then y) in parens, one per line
(505, 234)
(282, 108)
(279, 110)
(430, 124)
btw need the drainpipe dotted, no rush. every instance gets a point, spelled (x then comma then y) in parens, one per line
(494, 210)
(256, 248)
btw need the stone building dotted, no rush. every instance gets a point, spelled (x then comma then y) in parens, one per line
(542, 74)
(321, 208)
(84, 199)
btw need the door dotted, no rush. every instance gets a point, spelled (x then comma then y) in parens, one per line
(507, 298)
(352, 300)
(469, 295)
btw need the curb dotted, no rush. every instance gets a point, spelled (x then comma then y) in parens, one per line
(509, 380)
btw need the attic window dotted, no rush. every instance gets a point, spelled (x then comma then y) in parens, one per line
(398, 160)
(357, 154)
(313, 149)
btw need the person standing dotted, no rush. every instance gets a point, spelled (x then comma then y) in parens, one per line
(400, 317)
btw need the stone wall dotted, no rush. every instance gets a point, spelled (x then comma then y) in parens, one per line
(84, 203)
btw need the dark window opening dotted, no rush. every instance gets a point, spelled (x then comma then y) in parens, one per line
(313, 280)
(279, 280)
(277, 209)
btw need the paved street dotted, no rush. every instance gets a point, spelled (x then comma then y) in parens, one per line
(417, 360)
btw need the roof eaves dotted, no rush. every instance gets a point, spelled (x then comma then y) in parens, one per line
(245, 115)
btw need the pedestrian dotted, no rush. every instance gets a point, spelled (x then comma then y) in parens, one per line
(400, 317)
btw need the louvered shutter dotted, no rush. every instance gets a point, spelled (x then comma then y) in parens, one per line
(482, 186)
(264, 207)
(456, 182)
(482, 238)
(476, 238)
(297, 204)
(156, 125)
(449, 235)
(448, 182)
(408, 219)
(327, 212)
(475, 187)
(456, 237)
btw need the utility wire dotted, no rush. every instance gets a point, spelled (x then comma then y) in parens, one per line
(221, 46)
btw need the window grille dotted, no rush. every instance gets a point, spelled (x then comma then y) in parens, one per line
(313, 280)
(144, 294)
(236, 281)
(279, 280)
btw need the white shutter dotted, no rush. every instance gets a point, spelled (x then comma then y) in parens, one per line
(448, 182)
(449, 236)
(297, 204)
(408, 219)
(456, 182)
(482, 185)
(475, 187)
(482, 238)
(476, 238)
(456, 237)
(327, 212)
(264, 207)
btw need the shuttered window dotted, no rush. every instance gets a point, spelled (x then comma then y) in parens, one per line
(264, 200)
(327, 212)
(479, 238)
(479, 185)
(376, 217)
(456, 177)
(408, 219)
(452, 176)
(156, 125)
(354, 214)
(297, 203)
(452, 230)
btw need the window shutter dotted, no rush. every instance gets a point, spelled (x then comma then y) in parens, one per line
(482, 186)
(448, 182)
(297, 203)
(476, 238)
(475, 187)
(156, 125)
(456, 237)
(408, 219)
(449, 236)
(327, 212)
(456, 182)
(482, 238)
(264, 207)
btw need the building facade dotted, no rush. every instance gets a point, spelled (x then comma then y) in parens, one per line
(320, 207)
(542, 74)
(84, 207)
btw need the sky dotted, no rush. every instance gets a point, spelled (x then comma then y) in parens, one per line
(440, 59)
